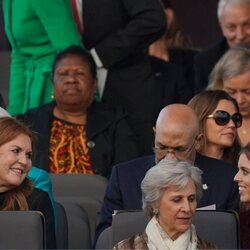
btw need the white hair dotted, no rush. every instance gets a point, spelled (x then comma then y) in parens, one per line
(165, 174)
(222, 4)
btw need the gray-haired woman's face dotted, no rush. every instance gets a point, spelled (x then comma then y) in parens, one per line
(239, 88)
(177, 208)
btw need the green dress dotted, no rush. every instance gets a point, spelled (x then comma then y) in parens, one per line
(37, 30)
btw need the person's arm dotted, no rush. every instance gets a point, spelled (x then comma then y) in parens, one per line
(57, 19)
(41, 179)
(124, 140)
(201, 77)
(112, 201)
(183, 89)
(41, 202)
(16, 83)
(147, 22)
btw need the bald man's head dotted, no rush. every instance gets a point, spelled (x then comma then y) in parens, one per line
(177, 128)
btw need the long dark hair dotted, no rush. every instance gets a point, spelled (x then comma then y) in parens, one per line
(204, 104)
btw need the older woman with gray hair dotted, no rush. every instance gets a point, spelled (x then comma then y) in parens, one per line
(170, 193)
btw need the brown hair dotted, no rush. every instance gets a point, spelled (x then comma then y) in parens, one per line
(204, 104)
(16, 198)
(174, 36)
(246, 150)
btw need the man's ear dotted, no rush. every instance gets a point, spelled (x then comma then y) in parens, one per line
(154, 129)
(199, 139)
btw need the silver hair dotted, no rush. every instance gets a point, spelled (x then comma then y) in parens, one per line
(166, 173)
(234, 62)
(222, 4)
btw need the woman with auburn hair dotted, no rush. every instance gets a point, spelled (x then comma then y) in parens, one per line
(220, 119)
(16, 190)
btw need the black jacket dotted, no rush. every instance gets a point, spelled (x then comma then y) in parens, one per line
(205, 62)
(39, 200)
(112, 141)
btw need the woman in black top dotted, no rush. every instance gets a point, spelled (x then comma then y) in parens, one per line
(16, 190)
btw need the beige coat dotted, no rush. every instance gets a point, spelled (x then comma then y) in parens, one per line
(139, 241)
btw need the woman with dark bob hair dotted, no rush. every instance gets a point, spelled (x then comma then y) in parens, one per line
(219, 118)
(170, 193)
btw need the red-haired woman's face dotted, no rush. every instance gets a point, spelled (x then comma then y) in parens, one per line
(15, 162)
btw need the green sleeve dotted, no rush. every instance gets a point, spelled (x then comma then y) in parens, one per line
(17, 80)
(57, 19)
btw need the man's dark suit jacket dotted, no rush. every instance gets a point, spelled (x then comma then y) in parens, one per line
(120, 31)
(205, 62)
(185, 58)
(124, 192)
(172, 86)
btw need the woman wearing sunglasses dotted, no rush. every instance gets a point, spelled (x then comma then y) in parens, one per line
(219, 118)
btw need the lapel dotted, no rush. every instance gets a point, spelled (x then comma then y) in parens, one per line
(201, 162)
(98, 119)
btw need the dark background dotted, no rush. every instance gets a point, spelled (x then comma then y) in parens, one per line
(197, 18)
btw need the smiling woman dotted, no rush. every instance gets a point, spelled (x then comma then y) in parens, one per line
(243, 179)
(16, 190)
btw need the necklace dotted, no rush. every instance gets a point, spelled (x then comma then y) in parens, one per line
(78, 118)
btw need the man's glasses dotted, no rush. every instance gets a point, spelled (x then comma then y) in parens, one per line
(222, 118)
(180, 152)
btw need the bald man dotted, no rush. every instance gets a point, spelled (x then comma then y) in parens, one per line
(176, 136)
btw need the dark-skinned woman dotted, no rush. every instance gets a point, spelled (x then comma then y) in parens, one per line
(77, 134)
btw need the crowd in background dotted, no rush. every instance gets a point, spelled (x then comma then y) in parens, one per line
(115, 87)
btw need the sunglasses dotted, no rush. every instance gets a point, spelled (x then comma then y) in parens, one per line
(222, 118)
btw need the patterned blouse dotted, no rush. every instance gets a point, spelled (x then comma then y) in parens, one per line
(68, 148)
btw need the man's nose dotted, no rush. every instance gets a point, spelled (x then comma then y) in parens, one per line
(239, 98)
(23, 159)
(239, 34)
(237, 177)
(170, 154)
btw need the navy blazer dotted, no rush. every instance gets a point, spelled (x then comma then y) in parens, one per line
(120, 31)
(205, 62)
(124, 192)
